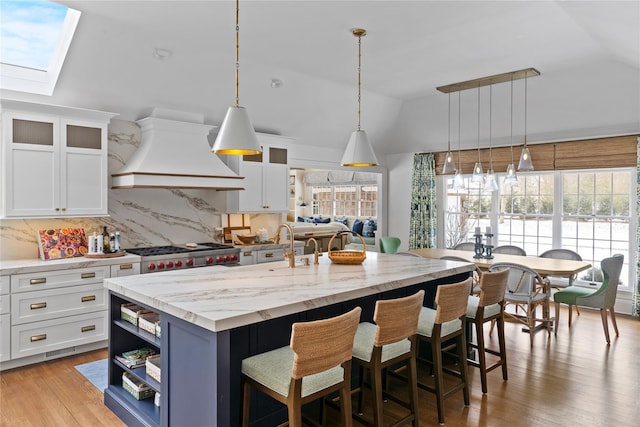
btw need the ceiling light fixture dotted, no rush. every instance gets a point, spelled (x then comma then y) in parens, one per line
(526, 164)
(490, 183)
(236, 135)
(511, 178)
(358, 151)
(458, 180)
(477, 168)
(161, 54)
(449, 163)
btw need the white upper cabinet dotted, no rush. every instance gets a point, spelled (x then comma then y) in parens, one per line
(54, 161)
(266, 178)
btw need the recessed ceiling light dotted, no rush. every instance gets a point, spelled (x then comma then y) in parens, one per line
(161, 54)
(276, 83)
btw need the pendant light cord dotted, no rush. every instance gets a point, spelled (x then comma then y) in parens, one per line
(237, 53)
(490, 115)
(511, 131)
(459, 160)
(478, 124)
(359, 69)
(525, 109)
(449, 127)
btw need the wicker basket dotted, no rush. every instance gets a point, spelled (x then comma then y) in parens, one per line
(136, 388)
(347, 256)
(131, 312)
(148, 321)
(153, 367)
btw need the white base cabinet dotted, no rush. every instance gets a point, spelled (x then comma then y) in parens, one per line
(54, 161)
(55, 313)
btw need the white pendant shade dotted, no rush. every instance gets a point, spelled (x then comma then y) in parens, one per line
(236, 135)
(477, 173)
(359, 152)
(525, 160)
(449, 165)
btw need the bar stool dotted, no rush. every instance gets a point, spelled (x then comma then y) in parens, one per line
(315, 364)
(438, 326)
(392, 340)
(489, 306)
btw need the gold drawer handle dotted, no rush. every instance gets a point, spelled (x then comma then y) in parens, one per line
(88, 298)
(39, 338)
(38, 305)
(88, 328)
(126, 266)
(38, 281)
(87, 275)
(269, 255)
(247, 253)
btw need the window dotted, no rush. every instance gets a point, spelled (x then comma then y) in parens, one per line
(34, 39)
(345, 200)
(585, 211)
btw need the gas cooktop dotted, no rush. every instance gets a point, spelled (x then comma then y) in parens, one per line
(176, 249)
(173, 257)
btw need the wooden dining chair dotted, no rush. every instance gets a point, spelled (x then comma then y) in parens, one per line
(510, 250)
(526, 290)
(488, 307)
(316, 363)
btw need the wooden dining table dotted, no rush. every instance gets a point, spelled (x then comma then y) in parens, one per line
(543, 266)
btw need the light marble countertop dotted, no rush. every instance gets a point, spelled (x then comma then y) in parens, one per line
(34, 265)
(220, 298)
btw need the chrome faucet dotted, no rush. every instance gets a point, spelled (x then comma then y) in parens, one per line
(315, 250)
(291, 254)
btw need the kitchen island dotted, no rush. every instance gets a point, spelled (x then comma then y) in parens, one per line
(213, 317)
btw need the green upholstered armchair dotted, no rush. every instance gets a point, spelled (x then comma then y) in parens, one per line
(389, 245)
(604, 298)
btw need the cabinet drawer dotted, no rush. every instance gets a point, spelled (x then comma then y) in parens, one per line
(5, 306)
(125, 269)
(49, 335)
(5, 284)
(51, 303)
(5, 337)
(270, 255)
(57, 279)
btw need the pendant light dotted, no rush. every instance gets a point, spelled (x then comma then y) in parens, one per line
(359, 152)
(458, 180)
(511, 178)
(449, 164)
(236, 135)
(526, 164)
(490, 183)
(477, 168)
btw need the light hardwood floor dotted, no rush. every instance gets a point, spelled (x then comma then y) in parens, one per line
(574, 379)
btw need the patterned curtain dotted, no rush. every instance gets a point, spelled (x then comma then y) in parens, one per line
(422, 231)
(636, 293)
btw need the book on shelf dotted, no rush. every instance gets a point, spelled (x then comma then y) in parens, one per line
(135, 358)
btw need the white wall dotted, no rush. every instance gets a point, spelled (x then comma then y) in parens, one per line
(400, 167)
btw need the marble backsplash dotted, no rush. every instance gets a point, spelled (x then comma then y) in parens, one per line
(144, 216)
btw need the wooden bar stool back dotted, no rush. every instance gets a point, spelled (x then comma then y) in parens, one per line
(315, 364)
(442, 325)
(488, 307)
(390, 341)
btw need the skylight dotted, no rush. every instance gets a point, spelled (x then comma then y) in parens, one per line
(34, 39)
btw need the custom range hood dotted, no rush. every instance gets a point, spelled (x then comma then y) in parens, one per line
(175, 153)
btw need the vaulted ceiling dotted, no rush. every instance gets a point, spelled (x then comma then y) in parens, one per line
(588, 54)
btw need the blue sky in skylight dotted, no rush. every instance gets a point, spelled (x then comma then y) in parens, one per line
(29, 32)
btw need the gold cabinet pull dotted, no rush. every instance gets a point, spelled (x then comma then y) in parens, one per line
(269, 255)
(247, 253)
(38, 305)
(88, 328)
(87, 275)
(88, 298)
(38, 281)
(126, 266)
(38, 337)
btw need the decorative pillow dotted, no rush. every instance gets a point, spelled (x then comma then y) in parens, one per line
(357, 226)
(322, 220)
(305, 219)
(341, 220)
(369, 227)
